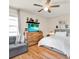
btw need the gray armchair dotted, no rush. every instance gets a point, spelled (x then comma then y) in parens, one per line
(16, 48)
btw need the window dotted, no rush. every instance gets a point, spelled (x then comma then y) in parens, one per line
(13, 26)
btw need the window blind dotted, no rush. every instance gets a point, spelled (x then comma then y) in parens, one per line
(13, 26)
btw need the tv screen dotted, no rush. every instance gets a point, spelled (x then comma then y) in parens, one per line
(33, 27)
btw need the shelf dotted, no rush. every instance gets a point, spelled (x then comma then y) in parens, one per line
(33, 22)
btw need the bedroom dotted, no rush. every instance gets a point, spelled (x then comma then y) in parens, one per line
(37, 43)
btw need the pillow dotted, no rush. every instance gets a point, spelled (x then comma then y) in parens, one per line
(61, 34)
(12, 39)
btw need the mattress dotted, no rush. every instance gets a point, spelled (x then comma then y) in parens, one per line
(61, 45)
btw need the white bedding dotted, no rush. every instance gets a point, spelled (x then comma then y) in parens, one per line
(60, 43)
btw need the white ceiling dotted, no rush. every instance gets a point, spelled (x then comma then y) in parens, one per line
(28, 5)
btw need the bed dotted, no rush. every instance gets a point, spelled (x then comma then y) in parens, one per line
(60, 42)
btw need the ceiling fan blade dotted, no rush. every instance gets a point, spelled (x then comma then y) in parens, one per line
(37, 5)
(55, 6)
(40, 10)
(49, 10)
(48, 1)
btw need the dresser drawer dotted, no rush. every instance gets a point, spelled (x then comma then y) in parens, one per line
(34, 37)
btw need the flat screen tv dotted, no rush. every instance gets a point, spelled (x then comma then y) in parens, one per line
(33, 27)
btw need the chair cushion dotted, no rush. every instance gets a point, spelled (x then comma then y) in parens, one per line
(12, 39)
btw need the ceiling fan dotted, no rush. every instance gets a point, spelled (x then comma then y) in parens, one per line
(47, 6)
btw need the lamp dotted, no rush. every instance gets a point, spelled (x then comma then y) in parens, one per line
(46, 8)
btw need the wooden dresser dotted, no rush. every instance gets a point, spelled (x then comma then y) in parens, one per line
(34, 37)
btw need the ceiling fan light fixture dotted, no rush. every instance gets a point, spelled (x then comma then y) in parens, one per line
(46, 8)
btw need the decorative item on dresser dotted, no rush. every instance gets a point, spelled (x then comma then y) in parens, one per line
(34, 37)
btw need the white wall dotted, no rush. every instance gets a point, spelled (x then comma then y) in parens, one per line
(43, 21)
(46, 25)
(54, 21)
(24, 14)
